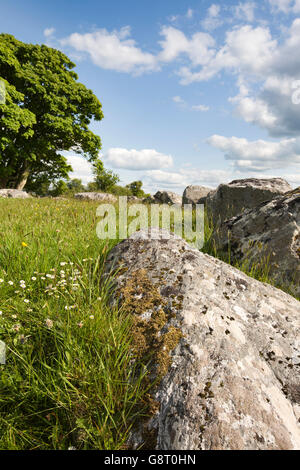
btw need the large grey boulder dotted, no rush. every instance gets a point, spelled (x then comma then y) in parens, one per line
(14, 193)
(94, 196)
(167, 197)
(195, 195)
(224, 347)
(268, 233)
(233, 198)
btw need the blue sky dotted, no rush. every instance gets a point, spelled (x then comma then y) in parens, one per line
(193, 92)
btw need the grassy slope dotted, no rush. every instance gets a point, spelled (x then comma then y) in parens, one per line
(67, 377)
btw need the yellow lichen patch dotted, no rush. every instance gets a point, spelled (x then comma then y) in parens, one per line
(141, 298)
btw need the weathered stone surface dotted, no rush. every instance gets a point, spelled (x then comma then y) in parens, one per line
(14, 193)
(195, 195)
(233, 381)
(149, 200)
(268, 233)
(134, 199)
(97, 197)
(167, 197)
(232, 199)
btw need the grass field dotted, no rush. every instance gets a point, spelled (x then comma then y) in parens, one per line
(70, 379)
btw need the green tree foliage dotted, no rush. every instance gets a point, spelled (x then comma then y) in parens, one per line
(47, 111)
(75, 186)
(136, 189)
(60, 188)
(105, 179)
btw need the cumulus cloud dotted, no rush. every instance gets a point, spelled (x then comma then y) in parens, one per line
(178, 180)
(245, 11)
(178, 99)
(189, 13)
(258, 155)
(246, 50)
(146, 159)
(200, 107)
(176, 43)
(285, 6)
(82, 169)
(196, 107)
(113, 50)
(48, 32)
(212, 19)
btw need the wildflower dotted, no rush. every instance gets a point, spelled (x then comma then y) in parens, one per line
(0, 313)
(24, 244)
(63, 263)
(92, 317)
(26, 301)
(49, 323)
(14, 316)
(16, 327)
(23, 339)
(1, 280)
(80, 324)
(33, 278)
(10, 283)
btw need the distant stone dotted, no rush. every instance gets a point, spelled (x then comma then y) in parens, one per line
(94, 196)
(233, 198)
(167, 197)
(134, 199)
(195, 195)
(14, 193)
(149, 200)
(269, 233)
(224, 348)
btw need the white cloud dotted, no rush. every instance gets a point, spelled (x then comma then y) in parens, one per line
(281, 5)
(197, 107)
(113, 50)
(82, 169)
(178, 99)
(285, 6)
(212, 19)
(48, 32)
(258, 155)
(247, 50)
(146, 159)
(200, 107)
(245, 11)
(189, 13)
(178, 180)
(175, 43)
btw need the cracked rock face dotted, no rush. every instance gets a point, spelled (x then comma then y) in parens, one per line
(167, 197)
(270, 232)
(14, 193)
(195, 195)
(230, 200)
(94, 196)
(233, 377)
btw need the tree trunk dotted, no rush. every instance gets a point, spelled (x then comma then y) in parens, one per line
(3, 183)
(22, 180)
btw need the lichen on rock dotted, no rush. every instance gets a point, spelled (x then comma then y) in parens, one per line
(225, 349)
